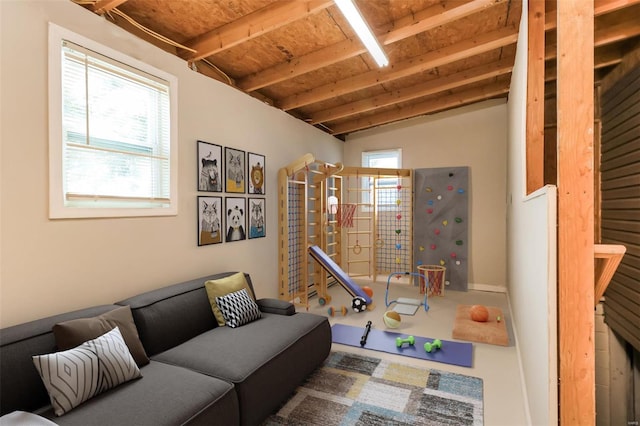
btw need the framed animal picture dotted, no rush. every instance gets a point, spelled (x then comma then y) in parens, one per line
(257, 222)
(210, 225)
(255, 171)
(209, 167)
(234, 170)
(235, 211)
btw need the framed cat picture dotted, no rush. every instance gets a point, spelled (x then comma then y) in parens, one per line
(256, 171)
(257, 222)
(234, 162)
(235, 211)
(209, 167)
(210, 226)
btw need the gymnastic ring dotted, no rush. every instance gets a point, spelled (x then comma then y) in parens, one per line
(357, 249)
(379, 243)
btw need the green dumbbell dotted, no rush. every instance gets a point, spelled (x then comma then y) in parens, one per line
(400, 341)
(436, 344)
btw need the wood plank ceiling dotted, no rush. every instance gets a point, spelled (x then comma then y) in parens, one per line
(304, 58)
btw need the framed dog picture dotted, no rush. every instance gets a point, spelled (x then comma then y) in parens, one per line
(255, 171)
(234, 170)
(235, 210)
(209, 167)
(209, 220)
(257, 223)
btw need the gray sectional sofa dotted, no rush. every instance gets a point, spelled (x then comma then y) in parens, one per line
(199, 372)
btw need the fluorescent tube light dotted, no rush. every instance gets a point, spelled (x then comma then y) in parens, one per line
(353, 15)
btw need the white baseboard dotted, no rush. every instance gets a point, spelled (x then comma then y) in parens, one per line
(487, 287)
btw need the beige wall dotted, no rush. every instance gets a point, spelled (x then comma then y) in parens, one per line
(48, 266)
(473, 136)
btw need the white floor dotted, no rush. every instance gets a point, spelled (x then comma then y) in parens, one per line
(496, 365)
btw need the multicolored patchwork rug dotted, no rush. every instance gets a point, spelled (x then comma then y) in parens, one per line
(352, 389)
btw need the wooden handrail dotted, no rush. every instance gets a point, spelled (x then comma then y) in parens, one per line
(608, 257)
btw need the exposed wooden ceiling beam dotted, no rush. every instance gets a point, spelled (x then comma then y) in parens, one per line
(430, 106)
(405, 27)
(455, 52)
(603, 57)
(269, 18)
(600, 7)
(103, 6)
(431, 87)
(623, 30)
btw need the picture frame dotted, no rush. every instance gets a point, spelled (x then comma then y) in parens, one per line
(257, 217)
(209, 167)
(234, 170)
(210, 224)
(236, 219)
(256, 170)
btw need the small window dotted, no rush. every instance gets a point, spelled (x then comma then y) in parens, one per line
(386, 187)
(112, 136)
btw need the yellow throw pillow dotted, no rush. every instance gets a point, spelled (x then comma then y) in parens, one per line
(222, 287)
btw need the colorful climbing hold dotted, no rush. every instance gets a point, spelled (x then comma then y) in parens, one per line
(450, 188)
(398, 246)
(430, 202)
(419, 262)
(399, 187)
(398, 202)
(433, 246)
(398, 231)
(398, 260)
(399, 216)
(450, 174)
(429, 211)
(458, 242)
(428, 189)
(447, 282)
(458, 262)
(454, 255)
(442, 262)
(445, 222)
(458, 220)
(437, 231)
(421, 248)
(439, 197)
(460, 191)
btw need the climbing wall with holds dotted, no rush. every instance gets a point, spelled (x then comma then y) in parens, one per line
(441, 222)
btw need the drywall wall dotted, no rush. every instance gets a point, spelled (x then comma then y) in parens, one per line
(51, 266)
(473, 136)
(532, 258)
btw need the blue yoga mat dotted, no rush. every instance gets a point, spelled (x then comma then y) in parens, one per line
(455, 353)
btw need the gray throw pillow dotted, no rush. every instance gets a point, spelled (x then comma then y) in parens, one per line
(70, 334)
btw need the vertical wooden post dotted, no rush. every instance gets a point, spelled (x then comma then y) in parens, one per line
(535, 96)
(575, 212)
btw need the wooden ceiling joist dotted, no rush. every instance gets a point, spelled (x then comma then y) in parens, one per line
(427, 107)
(269, 18)
(428, 88)
(464, 49)
(601, 7)
(403, 28)
(629, 27)
(103, 6)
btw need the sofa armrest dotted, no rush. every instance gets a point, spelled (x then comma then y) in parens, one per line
(276, 306)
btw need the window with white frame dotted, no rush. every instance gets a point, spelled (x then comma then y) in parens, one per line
(113, 139)
(383, 159)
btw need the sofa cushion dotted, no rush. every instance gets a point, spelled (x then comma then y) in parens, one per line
(167, 395)
(77, 375)
(70, 334)
(238, 308)
(271, 357)
(223, 286)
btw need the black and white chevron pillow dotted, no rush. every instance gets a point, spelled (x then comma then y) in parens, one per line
(76, 375)
(238, 308)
